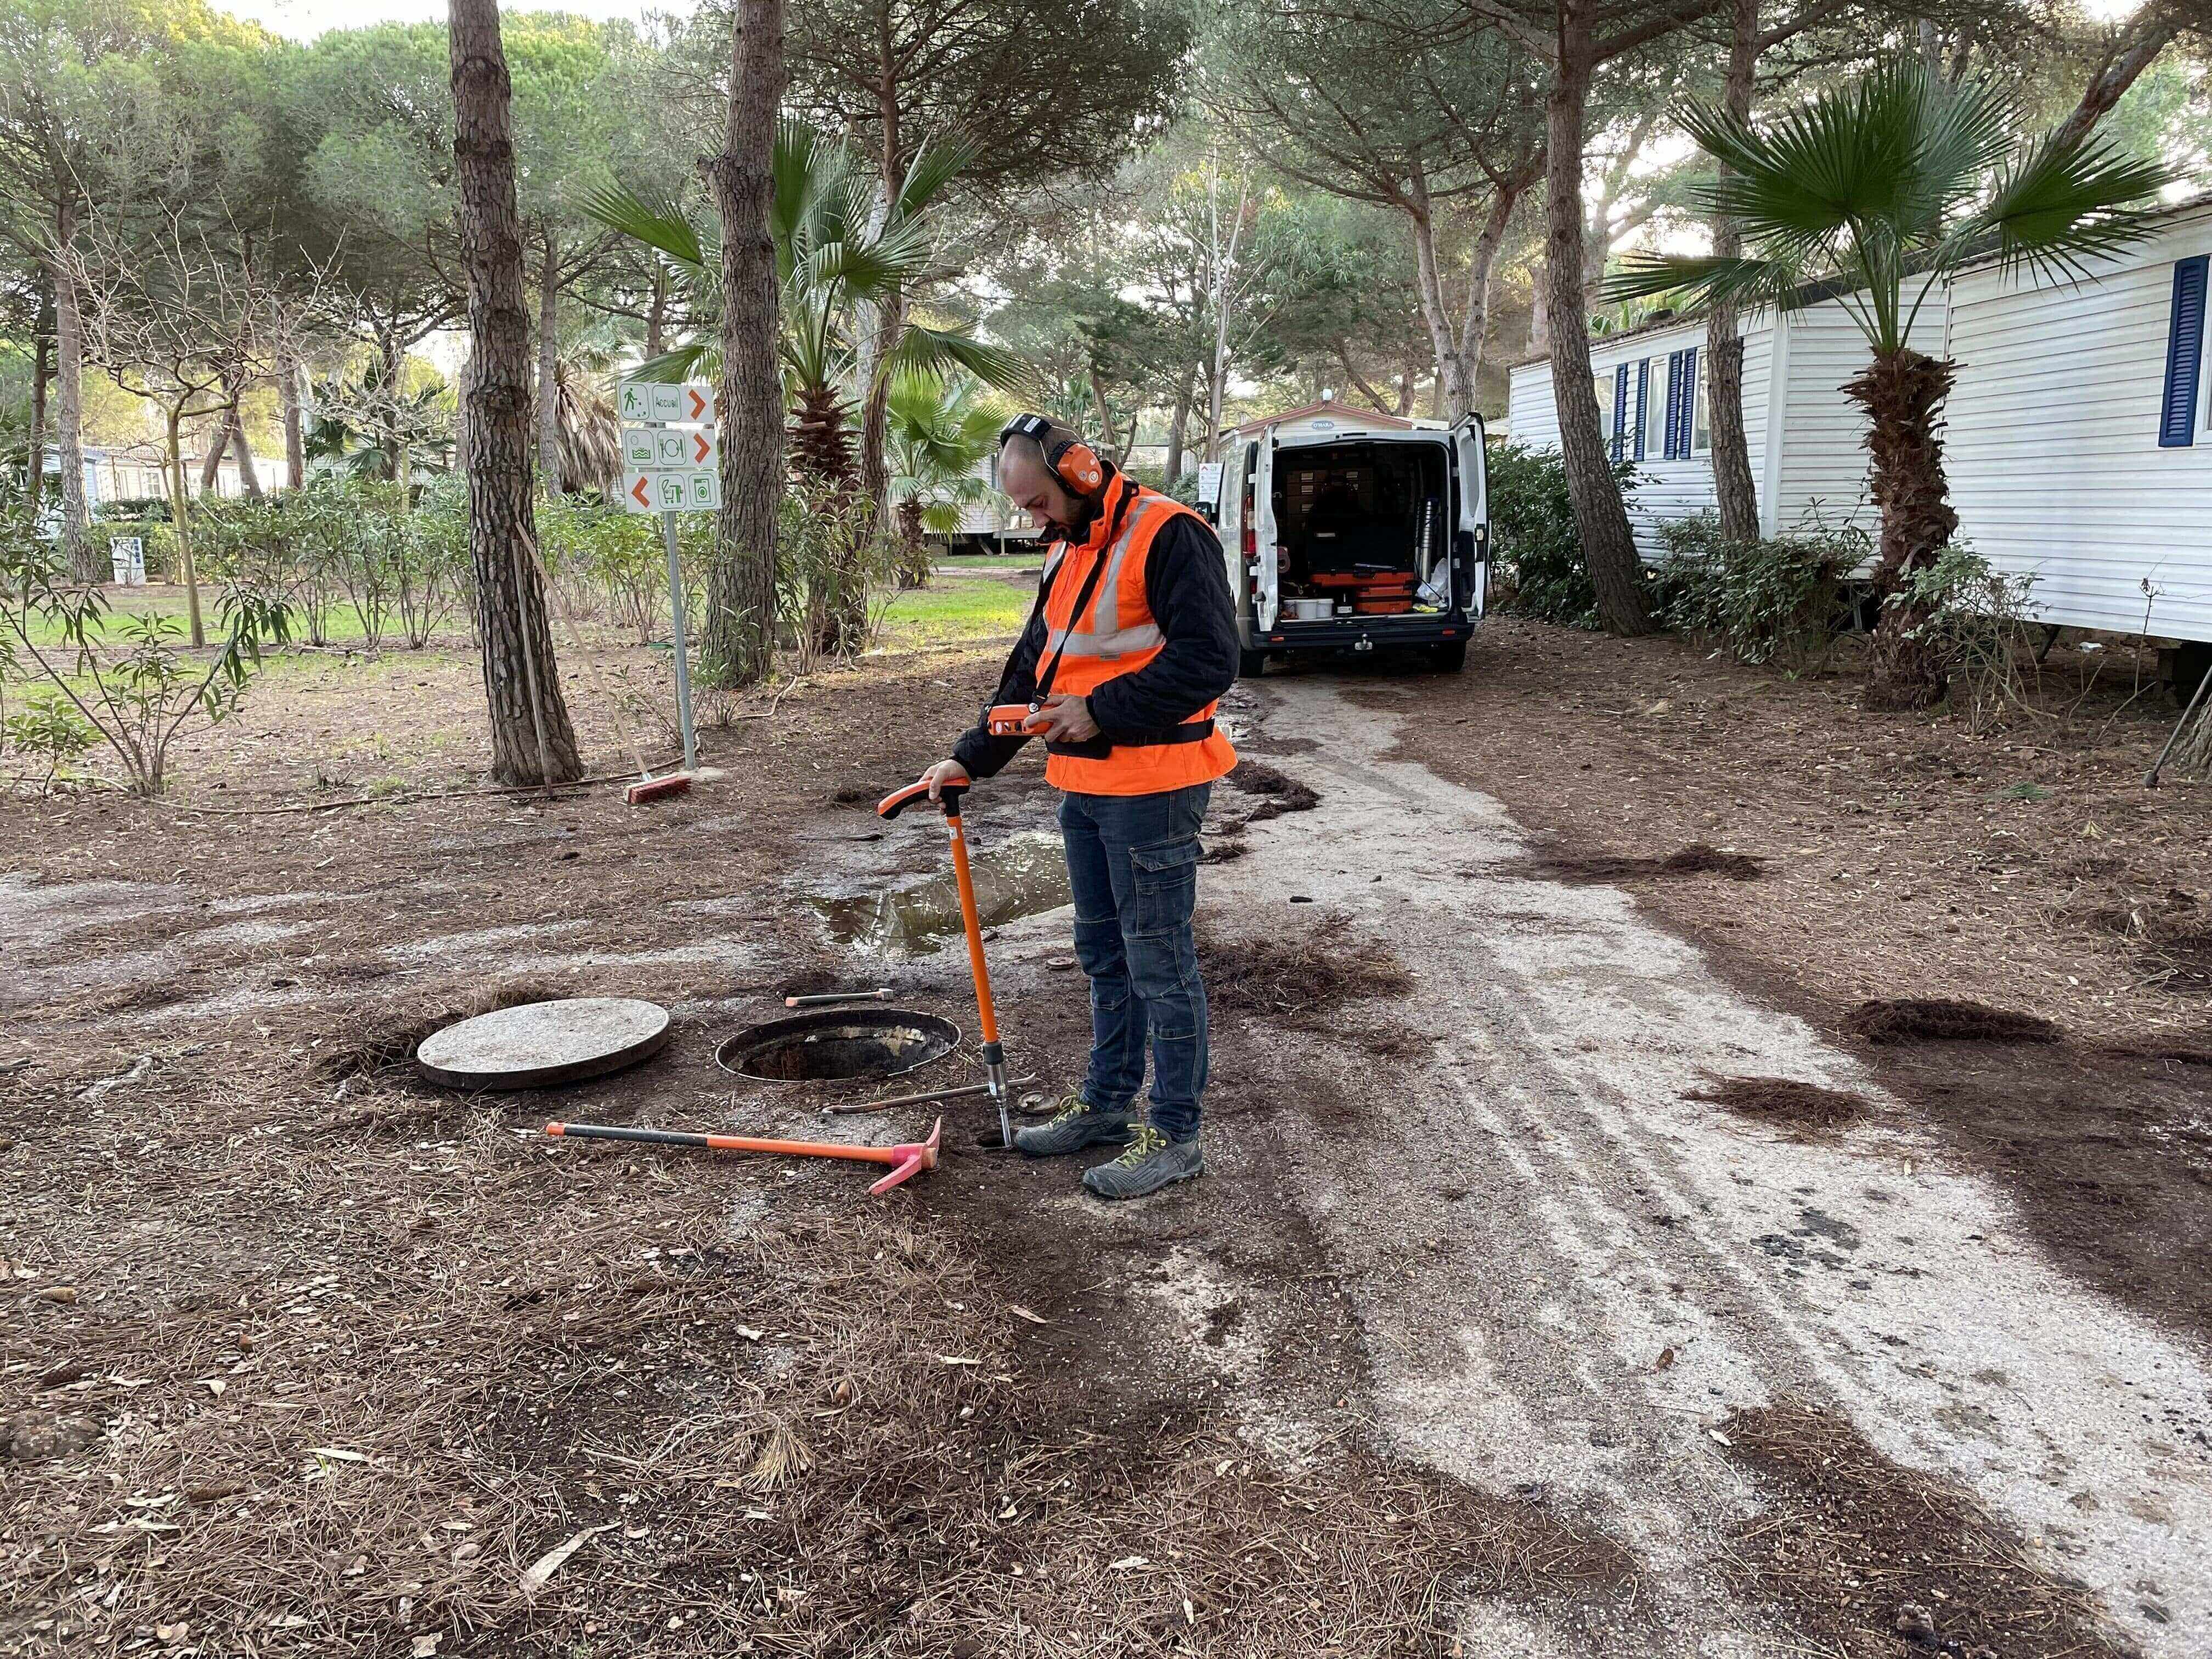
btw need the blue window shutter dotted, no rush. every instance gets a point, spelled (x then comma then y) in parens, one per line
(1689, 401)
(1619, 409)
(1643, 400)
(2184, 355)
(1673, 405)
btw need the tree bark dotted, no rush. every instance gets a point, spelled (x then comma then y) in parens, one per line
(533, 741)
(548, 369)
(1600, 516)
(740, 637)
(1179, 424)
(2134, 51)
(295, 452)
(218, 442)
(248, 479)
(1737, 495)
(180, 520)
(656, 311)
(1902, 395)
(69, 400)
(42, 369)
(394, 361)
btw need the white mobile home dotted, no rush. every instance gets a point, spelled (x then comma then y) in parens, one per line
(1804, 434)
(2080, 439)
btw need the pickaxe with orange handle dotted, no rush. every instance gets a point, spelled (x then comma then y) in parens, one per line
(995, 1058)
(907, 1160)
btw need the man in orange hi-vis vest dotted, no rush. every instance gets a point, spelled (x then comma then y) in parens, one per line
(1132, 642)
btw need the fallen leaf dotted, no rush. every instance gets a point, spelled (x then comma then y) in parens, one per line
(535, 1574)
(214, 1385)
(64, 1294)
(1020, 1312)
(340, 1453)
(176, 1632)
(1718, 1436)
(1666, 1357)
(749, 1334)
(427, 1644)
(955, 1359)
(1127, 1563)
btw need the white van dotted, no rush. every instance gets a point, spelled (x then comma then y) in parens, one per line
(1351, 539)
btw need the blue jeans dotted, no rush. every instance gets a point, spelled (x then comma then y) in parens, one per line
(1133, 863)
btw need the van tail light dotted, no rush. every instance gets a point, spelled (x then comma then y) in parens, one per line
(1251, 541)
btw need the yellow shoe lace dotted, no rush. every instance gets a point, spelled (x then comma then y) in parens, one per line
(1073, 1106)
(1142, 1144)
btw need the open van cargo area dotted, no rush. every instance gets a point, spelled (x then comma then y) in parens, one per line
(1362, 529)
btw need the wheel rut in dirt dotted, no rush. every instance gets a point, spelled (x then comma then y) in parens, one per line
(1592, 1267)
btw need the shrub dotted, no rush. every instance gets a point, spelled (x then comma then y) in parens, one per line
(1761, 599)
(1979, 620)
(48, 732)
(1535, 541)
(138, 697)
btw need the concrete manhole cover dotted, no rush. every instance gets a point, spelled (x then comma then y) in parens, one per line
(540, 1043)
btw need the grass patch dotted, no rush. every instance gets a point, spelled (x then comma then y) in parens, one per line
(956, 606)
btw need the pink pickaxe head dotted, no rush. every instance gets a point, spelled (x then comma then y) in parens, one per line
(913, 1157)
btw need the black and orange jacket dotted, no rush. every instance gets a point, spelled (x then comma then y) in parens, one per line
(1166, 652)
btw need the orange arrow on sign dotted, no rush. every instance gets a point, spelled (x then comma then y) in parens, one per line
(705, 448)
(637, 494)
(698, 405)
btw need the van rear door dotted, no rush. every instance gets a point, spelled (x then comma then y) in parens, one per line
(1267, 598)
(1471, 544)
(1229, 521)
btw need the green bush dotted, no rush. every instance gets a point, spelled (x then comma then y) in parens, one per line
(1979, 621)
(1762, 600)
(159, 535)
(1533, 539)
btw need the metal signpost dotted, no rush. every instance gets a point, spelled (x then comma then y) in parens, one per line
(671, 456)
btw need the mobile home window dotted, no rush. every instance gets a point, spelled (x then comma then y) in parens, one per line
(1701, 434)
(1655, 407)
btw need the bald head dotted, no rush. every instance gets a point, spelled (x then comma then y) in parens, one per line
(1031, 485)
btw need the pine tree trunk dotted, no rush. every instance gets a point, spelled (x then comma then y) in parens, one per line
(739, 637)
(1903, 394)
(180, 521)
(211, 462)
(295, 452)
(531, 739)
(394, 361)
(249, 480)
(1601, 517)
(42, 369)
(1738, 496)
(1179, 425)
(84, 561)
(548, 370)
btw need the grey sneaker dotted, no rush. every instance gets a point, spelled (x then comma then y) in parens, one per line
(1150, 1162)
(1075, 1126)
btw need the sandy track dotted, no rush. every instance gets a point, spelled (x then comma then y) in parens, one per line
(1543, 1214)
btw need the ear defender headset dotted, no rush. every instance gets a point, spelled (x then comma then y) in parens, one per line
(1068, 460)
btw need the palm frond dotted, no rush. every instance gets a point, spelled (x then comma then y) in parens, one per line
(921, 347)
(2065, 203)
(684, 363)
(1698, 280)
(661, 225)
(934, 167)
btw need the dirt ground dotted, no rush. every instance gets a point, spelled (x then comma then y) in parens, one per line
(1495, 1328)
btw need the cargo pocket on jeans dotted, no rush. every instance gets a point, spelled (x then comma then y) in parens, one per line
(1166, 873)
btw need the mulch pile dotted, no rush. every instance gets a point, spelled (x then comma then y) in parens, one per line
(1784, 1102)
(1697, 858)
(1939, 1019)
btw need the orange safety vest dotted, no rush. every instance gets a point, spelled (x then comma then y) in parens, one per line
(1117, 634)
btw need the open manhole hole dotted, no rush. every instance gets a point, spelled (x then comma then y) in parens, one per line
(838, 1042)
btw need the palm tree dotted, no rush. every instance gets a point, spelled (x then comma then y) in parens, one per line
(832, 257)
(1883, 189)
(939, 429)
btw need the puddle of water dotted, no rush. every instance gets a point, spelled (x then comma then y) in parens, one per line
(1019, 877)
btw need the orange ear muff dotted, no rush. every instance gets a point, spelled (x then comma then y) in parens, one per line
(1080, 470)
